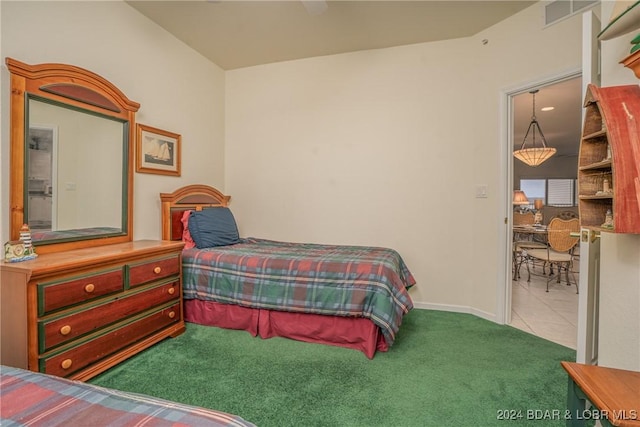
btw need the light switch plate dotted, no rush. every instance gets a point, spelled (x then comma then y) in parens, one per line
(481, 191)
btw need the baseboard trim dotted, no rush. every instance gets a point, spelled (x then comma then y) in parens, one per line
(456, 309)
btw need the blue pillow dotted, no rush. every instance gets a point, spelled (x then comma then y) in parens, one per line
(213, 227)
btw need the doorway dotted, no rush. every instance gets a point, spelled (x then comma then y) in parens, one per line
(42, 177)
(552, 189)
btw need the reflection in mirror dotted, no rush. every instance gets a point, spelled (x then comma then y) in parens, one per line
(76, 172)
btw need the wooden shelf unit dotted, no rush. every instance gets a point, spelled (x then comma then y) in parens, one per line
(610, 149)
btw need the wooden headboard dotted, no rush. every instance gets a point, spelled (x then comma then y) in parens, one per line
(191, 197)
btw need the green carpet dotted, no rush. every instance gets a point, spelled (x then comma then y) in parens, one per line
(445, 369)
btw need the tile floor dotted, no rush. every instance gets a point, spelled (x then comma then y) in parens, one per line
(550, 315)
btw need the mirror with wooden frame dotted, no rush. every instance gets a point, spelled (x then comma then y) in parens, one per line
(72, 137)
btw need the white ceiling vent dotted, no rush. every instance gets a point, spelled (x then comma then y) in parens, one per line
(557, 10)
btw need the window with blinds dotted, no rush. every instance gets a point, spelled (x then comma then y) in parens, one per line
(554, 192)
(560, 192)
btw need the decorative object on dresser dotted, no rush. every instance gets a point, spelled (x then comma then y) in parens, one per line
(609, 160)
(157, 151)
(20, 250)
(348, 296)
(77, 313)
(14, 251)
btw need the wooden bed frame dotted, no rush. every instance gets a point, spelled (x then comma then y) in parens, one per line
(350, 332)
(192, 197)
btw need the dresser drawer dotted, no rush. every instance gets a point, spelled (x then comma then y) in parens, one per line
(67, 362)
(55, 295)
(60, 330)
(152, 270)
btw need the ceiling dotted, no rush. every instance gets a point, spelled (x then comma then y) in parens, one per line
(562, 126)
(239, 33)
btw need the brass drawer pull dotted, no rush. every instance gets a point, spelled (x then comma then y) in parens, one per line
(89, 288)
(157, 270)
(65, 330)
(66, 363)
(172, 314)
(171, 291)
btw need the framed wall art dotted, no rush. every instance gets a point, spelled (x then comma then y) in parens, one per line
(157, 151)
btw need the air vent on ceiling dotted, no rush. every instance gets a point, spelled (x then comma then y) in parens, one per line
(557, 10)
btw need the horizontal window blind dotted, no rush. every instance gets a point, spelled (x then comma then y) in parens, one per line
(560, 192)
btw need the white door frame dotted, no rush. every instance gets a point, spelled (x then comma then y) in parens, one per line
(588, 305)
(587, 336)
(503, 312)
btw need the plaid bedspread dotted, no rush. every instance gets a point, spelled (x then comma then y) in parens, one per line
(360, 281)
(29, 398)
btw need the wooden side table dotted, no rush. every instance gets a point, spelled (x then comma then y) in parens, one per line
(614, 394)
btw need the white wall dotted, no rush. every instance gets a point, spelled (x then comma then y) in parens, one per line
(385, 147)
(619, 333)
(178, 89)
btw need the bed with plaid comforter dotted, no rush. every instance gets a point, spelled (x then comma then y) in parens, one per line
(31, 398)
(357, 281)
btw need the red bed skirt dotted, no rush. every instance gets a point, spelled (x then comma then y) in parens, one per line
(351, 332)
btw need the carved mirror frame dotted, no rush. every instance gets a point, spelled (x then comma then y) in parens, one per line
(79, 89)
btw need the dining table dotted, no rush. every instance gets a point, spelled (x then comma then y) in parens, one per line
(527, 231)
(535, 233)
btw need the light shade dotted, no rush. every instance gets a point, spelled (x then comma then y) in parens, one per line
(537, 203)
(519, 198)
(534, 155)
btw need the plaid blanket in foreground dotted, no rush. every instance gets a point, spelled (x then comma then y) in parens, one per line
(359, 281)
(30, 398)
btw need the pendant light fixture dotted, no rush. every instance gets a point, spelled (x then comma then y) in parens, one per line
(534, 155)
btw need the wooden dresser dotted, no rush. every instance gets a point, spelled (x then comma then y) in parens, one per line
(77, 313)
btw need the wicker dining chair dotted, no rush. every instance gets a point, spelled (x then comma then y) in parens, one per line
(523, 217)
(566, 215)
(559, 251)
(520, 246)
